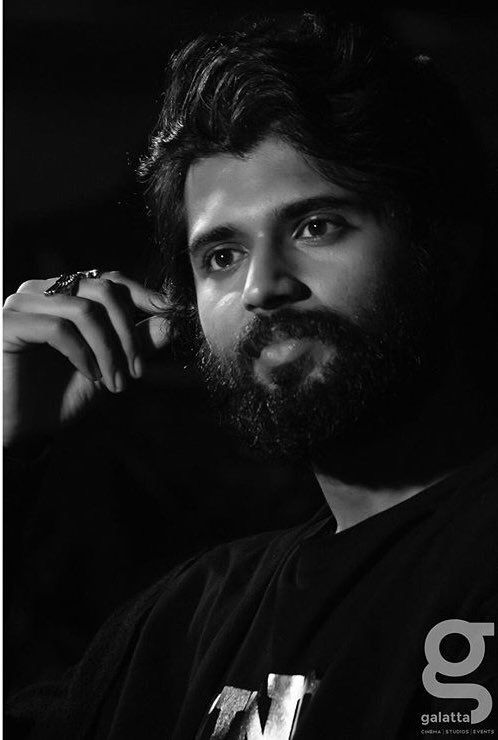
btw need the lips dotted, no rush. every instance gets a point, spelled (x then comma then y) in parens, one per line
(255, 345)
(284, 351)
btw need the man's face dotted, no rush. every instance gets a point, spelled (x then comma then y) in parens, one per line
(298, 288)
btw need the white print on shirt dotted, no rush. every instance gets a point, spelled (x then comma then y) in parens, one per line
(269, 714)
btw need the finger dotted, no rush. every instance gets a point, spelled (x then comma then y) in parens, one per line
(57, 332)
(118, 304)
(145, 299)
(91, 320)
(35, 286)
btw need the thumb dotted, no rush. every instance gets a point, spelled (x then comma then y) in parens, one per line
(154, 333)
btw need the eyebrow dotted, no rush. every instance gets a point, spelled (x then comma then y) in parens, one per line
(289, 211)
(301, 207)
(218, 234)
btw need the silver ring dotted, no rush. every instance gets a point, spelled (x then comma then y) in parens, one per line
(67, 284)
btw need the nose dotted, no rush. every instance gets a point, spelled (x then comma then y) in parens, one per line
(270, 282)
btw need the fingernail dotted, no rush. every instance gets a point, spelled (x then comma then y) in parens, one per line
(119, 382)
(138, 367)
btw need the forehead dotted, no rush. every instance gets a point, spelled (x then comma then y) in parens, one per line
(224, 187)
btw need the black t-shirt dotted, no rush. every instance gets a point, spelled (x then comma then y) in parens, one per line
(304, 633)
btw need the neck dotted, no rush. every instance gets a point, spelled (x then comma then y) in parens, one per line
(449, 430)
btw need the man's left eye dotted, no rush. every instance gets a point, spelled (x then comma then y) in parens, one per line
(317, 228)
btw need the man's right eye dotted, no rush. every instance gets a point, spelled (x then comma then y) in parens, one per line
(222, 258)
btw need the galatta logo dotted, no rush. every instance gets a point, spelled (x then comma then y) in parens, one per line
(474, 632)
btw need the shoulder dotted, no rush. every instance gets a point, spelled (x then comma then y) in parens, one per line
(245, 563)
(227, 569)
(170, 613)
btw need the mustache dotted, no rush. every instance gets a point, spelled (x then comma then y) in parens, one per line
(325, 325)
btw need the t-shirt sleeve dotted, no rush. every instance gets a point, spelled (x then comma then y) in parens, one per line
(70, 706)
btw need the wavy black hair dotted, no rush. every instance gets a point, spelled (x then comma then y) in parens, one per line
(375, 118)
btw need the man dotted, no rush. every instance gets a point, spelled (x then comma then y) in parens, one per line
(324, 219)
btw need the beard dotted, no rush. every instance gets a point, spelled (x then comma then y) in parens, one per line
(375, 379)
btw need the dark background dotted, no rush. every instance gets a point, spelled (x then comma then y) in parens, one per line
(83, 83)
(147, 478)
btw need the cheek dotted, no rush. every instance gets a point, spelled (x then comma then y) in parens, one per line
(221, 317)
(349, 282)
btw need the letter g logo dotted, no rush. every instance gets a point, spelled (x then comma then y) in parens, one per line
(475, 633)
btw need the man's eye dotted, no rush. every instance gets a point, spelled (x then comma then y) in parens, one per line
(222, 259)
(317, 228)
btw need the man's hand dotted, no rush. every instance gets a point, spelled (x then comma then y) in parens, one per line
(59, 351)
